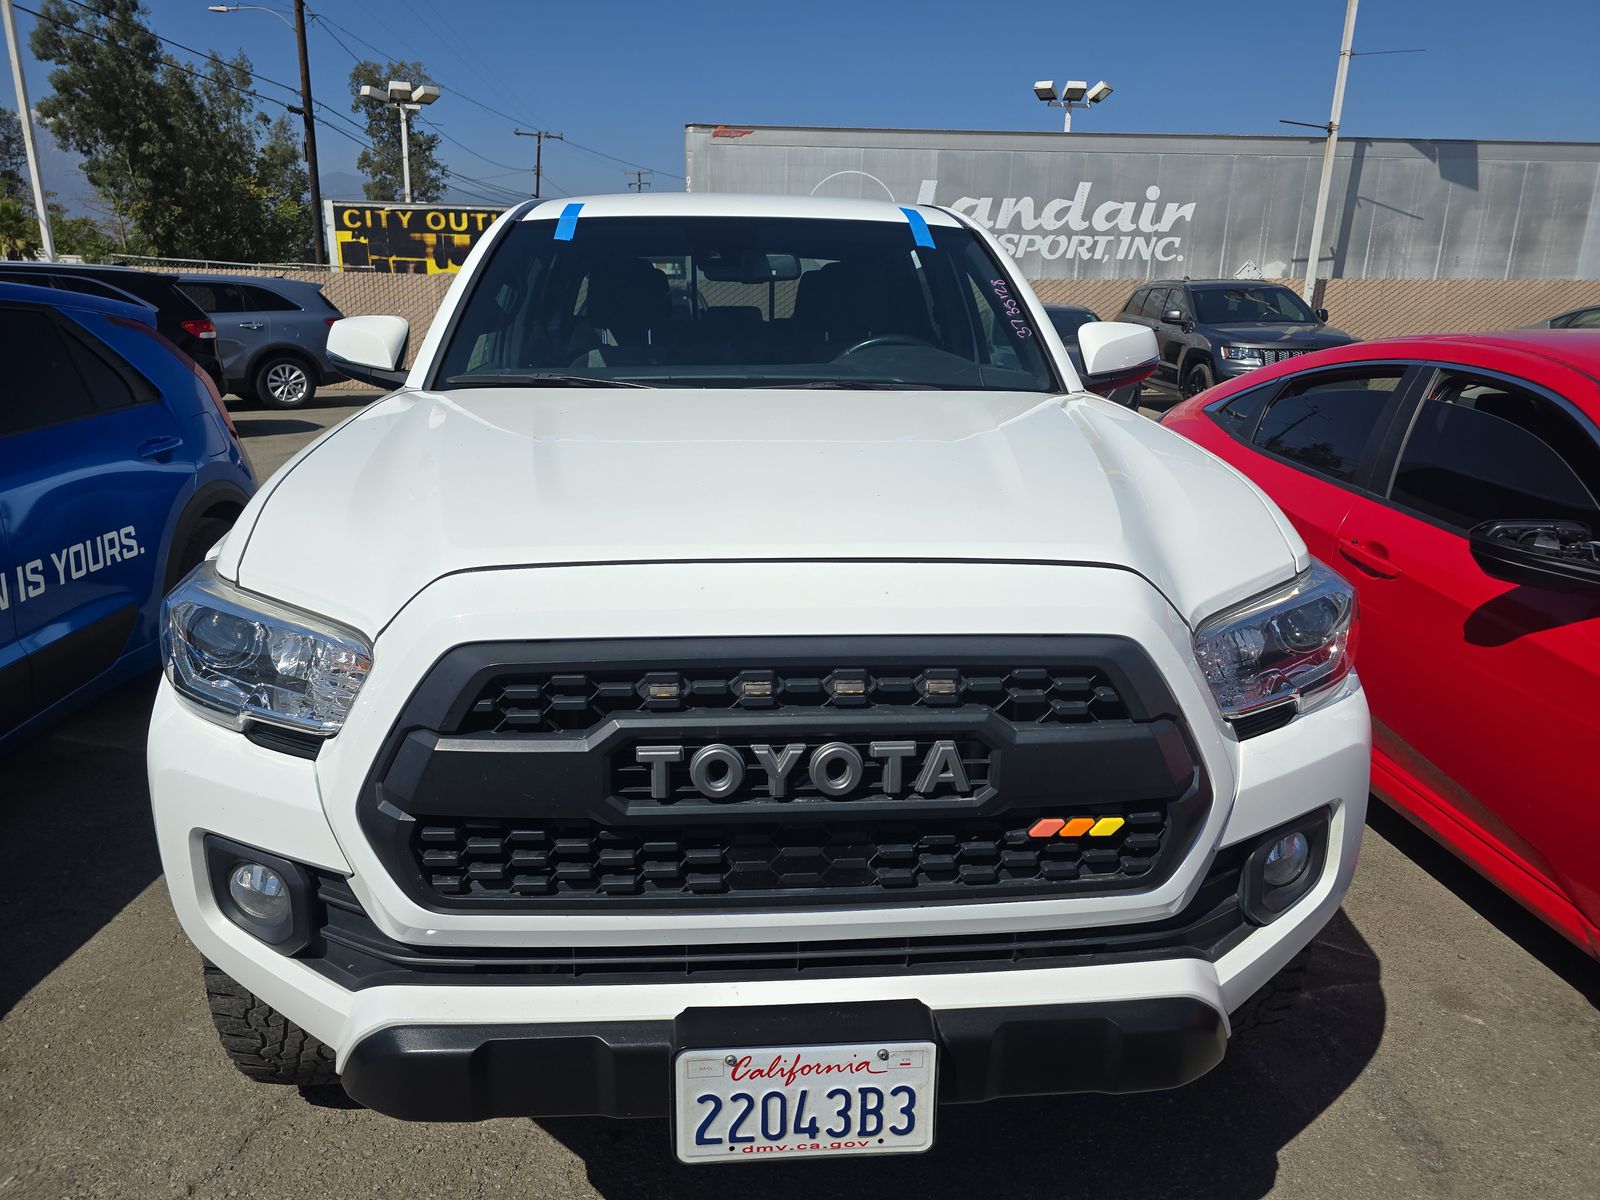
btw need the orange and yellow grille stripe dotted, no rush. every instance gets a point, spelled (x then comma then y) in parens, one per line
(1076, 827)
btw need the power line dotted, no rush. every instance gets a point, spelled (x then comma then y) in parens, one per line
(627, 162)
(361, 141)
(434, 125)
(172, 62)
(488, 108)
(215, 59)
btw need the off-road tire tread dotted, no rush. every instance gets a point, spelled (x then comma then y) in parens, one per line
(260, 1041)
(1272, 1004)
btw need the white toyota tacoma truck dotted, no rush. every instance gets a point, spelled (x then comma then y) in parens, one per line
(741, 675)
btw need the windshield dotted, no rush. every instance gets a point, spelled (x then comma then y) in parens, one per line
(1236, 305)
(743, 301)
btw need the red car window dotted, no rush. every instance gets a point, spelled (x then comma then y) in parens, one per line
(1482, 449)
(1325, 421)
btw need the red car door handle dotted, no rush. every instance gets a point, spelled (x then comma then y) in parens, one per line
(1369, 558)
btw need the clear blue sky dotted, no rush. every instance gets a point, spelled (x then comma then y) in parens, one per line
(624, 77)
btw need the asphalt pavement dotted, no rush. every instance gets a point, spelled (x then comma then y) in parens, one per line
(1447, 1045)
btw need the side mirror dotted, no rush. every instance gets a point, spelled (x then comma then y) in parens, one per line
(1173, 316)
(371, 349)
(1116, 354)
(1322, 315)
(1560, 555)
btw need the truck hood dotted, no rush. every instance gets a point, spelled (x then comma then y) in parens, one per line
(426, 484)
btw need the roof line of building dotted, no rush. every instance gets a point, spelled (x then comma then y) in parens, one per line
(1056, 135)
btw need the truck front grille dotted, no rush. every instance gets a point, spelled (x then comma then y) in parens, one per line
(532, 702)
(976, 854)
(521, 777)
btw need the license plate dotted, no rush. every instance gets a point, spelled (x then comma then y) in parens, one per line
(781, 1102)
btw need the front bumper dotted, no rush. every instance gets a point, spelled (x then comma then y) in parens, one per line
(1130, 1023)
(624, 1068)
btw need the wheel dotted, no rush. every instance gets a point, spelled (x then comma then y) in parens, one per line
(282, 381)
(1272, 1003)
(1197, 379)
(260, 1041)
(188, 556)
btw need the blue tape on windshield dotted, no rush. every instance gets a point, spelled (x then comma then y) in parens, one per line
(568, 224)
(919, 228)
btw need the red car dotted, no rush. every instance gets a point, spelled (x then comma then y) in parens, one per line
(1456, 481)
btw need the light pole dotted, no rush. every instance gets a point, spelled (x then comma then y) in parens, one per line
(47, 242)
(1314, 254)
(1074, 93)
(407, 98)
(307, 112)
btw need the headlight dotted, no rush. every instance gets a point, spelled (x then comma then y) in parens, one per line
(1245, 355)
(242, 658)
(1285, 645)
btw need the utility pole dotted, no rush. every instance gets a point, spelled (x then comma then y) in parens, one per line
(306, 111)
(539, 136)
(639, 181)
(25, 115)
(318, 254)
(1314, 254)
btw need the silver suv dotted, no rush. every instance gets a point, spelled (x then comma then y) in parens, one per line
(272, 335)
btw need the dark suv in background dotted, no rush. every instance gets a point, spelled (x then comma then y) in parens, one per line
(272, 335)
(1211, 329)
(178, 318)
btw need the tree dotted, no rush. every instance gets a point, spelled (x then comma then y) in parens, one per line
(19, 232)
(82, 237)
(13, 158)
(381, 164)
(178, 152)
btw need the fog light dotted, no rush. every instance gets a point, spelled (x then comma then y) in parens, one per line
(1283, 867)
(1287, 860)
(270, 898)
(259, 891)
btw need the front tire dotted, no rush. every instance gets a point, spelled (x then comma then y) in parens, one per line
(262, 1042)
(282, 381)
(1197, 379)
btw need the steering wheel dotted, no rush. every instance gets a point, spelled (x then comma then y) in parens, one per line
(883, 339)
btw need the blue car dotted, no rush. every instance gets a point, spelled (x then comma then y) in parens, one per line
(119, 469)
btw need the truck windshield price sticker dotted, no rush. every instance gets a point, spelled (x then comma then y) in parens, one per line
(1013, 310)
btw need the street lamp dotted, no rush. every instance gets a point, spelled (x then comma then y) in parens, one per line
(1074, 93)
(307, 112)
(407, 98)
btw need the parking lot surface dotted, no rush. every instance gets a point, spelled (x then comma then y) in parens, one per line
(1446, 1044)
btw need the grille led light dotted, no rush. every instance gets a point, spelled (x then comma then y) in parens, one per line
(1077, 827)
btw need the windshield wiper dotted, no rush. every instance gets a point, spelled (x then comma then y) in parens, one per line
(854, 385)
(536, 379)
